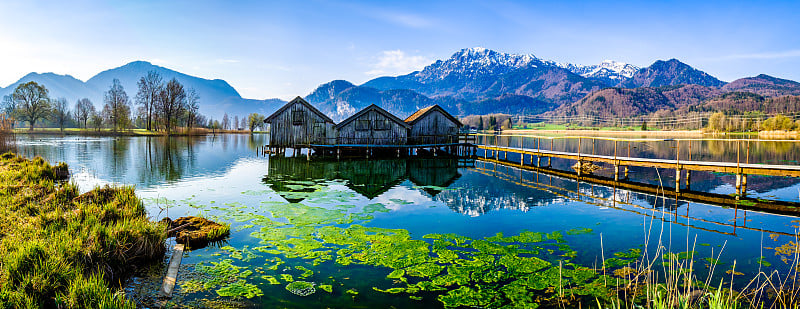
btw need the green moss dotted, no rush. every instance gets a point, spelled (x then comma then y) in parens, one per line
(425, 270)
(326, 287)
(301, 288)
(630, 254)
(306, 272)
(271, 279)
(471, 297)
(287, 277)
(240, 288)
(517, 264)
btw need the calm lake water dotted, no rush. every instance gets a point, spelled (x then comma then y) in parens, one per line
(348, 224)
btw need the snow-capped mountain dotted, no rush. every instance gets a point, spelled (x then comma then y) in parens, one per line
(476, 74)
(609, 71)
(475, 61)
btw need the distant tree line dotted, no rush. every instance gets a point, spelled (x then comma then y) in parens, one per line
(162, 106)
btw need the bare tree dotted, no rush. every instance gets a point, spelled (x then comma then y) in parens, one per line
(244, 123)
(236, 122)
(61, 112)
(226, 122)
(117, 110)
(171, 104)
(83, 110)
(192, 107)
(29, 102)
(150, 87)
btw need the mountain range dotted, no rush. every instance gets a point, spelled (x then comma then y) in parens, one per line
(217, 97)
(472, 81)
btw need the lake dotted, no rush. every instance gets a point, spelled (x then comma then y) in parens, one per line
(428, 232)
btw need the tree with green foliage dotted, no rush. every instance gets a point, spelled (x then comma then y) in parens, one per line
(254, 120)
(492, 123)
(779, 122)
(717, 122)
(480, 123)
(29, 102)
(644, 125)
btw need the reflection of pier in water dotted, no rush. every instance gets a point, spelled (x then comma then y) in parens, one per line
(369, 178)
(614, 197)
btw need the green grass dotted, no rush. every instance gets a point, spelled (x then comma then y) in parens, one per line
(62, 249)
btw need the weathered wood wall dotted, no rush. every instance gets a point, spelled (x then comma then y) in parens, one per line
(434, 127)
(285, 132)
(395, 134)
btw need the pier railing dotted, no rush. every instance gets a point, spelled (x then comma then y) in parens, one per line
(617, 152)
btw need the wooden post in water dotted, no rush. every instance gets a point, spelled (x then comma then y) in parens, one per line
(677, 166)
(629, 155)
(580, 163)
(744, 176)
(550, 159)
(689, 172)
(738, 171)
(616, 164)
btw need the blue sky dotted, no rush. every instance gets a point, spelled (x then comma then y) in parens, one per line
(287, 48)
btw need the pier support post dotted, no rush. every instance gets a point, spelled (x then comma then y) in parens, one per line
(738, 185)
(744, 184)
(677, 180)
(626, 172)
(616, 172)
(688, 176)
(538, 161)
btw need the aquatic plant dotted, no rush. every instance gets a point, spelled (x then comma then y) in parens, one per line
(301, 288)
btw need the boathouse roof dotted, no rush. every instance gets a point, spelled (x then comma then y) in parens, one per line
(416, 116)
(300, 100)
(377, 109)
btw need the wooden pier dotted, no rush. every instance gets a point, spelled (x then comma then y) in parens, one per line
(621, 160)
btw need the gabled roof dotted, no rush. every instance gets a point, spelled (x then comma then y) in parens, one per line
(422, 112)
(377, 109)
(301, 101)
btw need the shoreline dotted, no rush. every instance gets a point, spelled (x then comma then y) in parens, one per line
(134, 132)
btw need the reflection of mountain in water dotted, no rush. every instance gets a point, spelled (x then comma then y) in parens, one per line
(370, 178)
(487, 188)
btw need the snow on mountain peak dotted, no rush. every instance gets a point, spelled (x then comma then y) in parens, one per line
(476, 60)
(607, 69)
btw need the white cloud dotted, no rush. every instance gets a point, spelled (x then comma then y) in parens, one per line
(396, 62)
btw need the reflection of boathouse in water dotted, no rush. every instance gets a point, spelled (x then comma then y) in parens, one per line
(369, 178)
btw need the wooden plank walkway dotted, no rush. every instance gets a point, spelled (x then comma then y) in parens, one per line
(776, 207)
(720, 167)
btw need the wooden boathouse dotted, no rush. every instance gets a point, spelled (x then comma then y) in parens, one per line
(299, 124)
(433, 125)
(372, 126)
